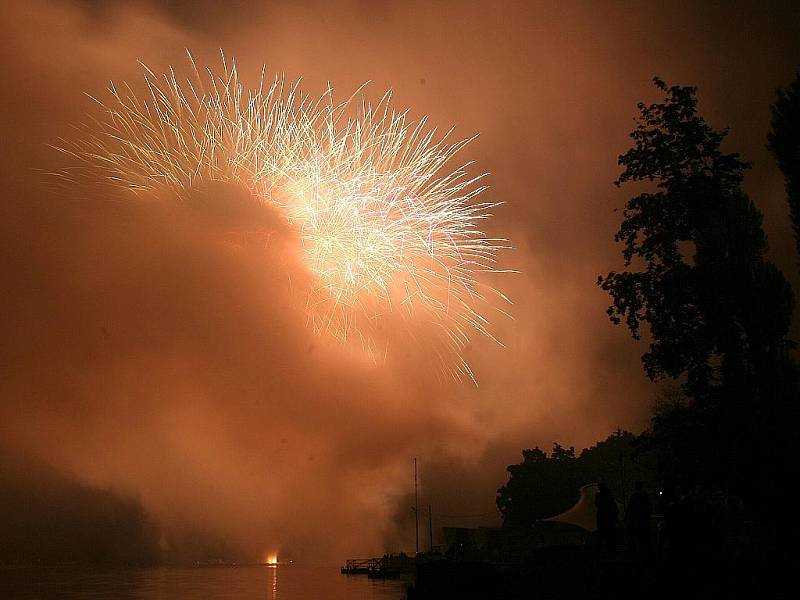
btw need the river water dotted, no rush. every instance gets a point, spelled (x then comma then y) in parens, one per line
(284, 582)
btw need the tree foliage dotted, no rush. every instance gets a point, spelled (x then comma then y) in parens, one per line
(694, 249)
(783, 142)
(545, 485)
(716, 311)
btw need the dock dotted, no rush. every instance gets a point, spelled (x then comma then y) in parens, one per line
(385, 567)
(362, 566)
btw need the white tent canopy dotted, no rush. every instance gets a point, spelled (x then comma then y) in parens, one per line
(584, 513)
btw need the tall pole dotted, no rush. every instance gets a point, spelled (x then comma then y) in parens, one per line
(430, 526)
(416, 503)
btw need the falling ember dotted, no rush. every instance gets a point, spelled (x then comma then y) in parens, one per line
(386, 230)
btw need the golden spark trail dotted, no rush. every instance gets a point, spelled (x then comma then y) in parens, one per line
(386, 227)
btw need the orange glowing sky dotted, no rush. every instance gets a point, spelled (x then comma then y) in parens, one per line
(145, 351)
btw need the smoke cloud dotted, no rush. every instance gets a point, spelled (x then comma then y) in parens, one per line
(155, 351)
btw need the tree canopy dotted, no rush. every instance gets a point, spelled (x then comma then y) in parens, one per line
(545, 485)
(694, 249)
(783, 142)
(716, 311)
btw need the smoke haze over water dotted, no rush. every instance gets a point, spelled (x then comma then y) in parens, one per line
(152, 350)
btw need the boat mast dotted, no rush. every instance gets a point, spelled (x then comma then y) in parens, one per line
(416, 504)
(430, 526)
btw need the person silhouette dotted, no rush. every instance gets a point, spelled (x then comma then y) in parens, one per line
(637, 517)
(607, 513)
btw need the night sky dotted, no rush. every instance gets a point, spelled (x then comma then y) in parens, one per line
(145, 351)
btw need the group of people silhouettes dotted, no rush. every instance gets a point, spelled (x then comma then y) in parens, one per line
(637, 519)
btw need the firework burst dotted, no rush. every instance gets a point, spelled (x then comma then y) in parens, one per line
(389, 229)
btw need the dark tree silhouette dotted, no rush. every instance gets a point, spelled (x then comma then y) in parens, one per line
(783, 142)
(542, 486)
(713, 305)
(717, 312)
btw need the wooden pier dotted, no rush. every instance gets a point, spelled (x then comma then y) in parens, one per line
(362, 566)
(387, 567)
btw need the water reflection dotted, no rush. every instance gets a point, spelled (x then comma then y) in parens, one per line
(274, 573)
(193, 583)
